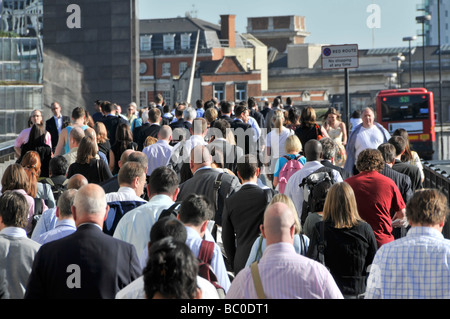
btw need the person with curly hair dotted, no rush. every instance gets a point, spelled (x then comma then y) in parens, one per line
(376, 196)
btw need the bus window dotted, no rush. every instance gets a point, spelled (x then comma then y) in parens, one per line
(404, 108)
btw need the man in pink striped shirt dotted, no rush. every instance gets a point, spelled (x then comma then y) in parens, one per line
(284, 274)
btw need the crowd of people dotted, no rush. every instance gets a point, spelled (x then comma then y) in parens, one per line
(218, 200)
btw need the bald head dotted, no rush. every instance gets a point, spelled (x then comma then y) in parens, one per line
(279, 224)
(90, 205)
(77, 181)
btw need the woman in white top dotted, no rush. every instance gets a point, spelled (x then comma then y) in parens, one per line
(276, 139)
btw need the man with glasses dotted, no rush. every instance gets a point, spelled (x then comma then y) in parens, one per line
(35, 118)
(56, 123)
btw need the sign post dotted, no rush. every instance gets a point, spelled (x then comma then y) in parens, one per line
(341, 57)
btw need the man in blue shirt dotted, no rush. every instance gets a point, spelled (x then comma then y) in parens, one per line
(65, 224)
(415, 266)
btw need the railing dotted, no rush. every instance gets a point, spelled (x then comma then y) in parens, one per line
(437, 177)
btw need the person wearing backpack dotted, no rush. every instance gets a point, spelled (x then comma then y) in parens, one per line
(164, 228)
(57, 179)
(313, 154)
(288, 164)
(195, 213)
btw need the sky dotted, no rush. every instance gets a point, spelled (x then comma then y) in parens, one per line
(368, 23)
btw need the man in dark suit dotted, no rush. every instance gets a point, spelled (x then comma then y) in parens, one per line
(56, 123)
(244, 134)
(111, 120)
(204, 179)
(258, 116)
(230, 152)
(402, 181)
(243, 213)
(154, 120)
(226, 111)
(87, 264)
(329, 149)
(411, 170)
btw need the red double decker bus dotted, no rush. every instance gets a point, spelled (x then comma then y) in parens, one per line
(413, 110)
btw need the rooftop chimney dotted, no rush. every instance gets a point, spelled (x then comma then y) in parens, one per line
(228, 29)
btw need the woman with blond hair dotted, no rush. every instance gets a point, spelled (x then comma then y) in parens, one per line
(293, 149)
(276, 139)
(301, 242)
(343, 241)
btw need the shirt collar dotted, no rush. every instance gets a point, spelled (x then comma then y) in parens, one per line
(424, 231)
(14, 232)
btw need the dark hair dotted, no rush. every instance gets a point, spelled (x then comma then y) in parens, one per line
(14, 209)
(293, 115)
(399, 143)
(370, 160)
(58, 165)
(199, 104)
(251, 102)
(107, 107)
(318, 196)
(387, 151)
(222, 126)
(247, 166)
(225, 107)
(407, 155)
(171, 270)
(356, 114)
(37, 135)
(241, 109)
(208, 104)
(313, 150)
(195, 209)
(163, 180)
(168, 226)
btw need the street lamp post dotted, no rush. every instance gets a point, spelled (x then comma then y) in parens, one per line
(409, 39)
(398, 60)
(422, 19)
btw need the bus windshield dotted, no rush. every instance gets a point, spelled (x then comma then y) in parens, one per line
(405, 107)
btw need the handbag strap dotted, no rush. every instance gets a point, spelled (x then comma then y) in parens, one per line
(257, 281)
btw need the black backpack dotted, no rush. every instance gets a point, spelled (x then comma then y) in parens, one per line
(57, 188)
(321, 175)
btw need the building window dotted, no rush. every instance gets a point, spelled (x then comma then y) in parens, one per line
(169, 41)
(182, 67)
(167, 97)
(143, 98)
(146, 42)
(166, 69)
(219, 91)
(185, 41)
(241, 91)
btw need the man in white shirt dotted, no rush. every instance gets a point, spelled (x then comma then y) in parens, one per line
(132, 180)
(17, 252)
(134, 227)
(313, 154)
(158, 154)
(369, 134)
